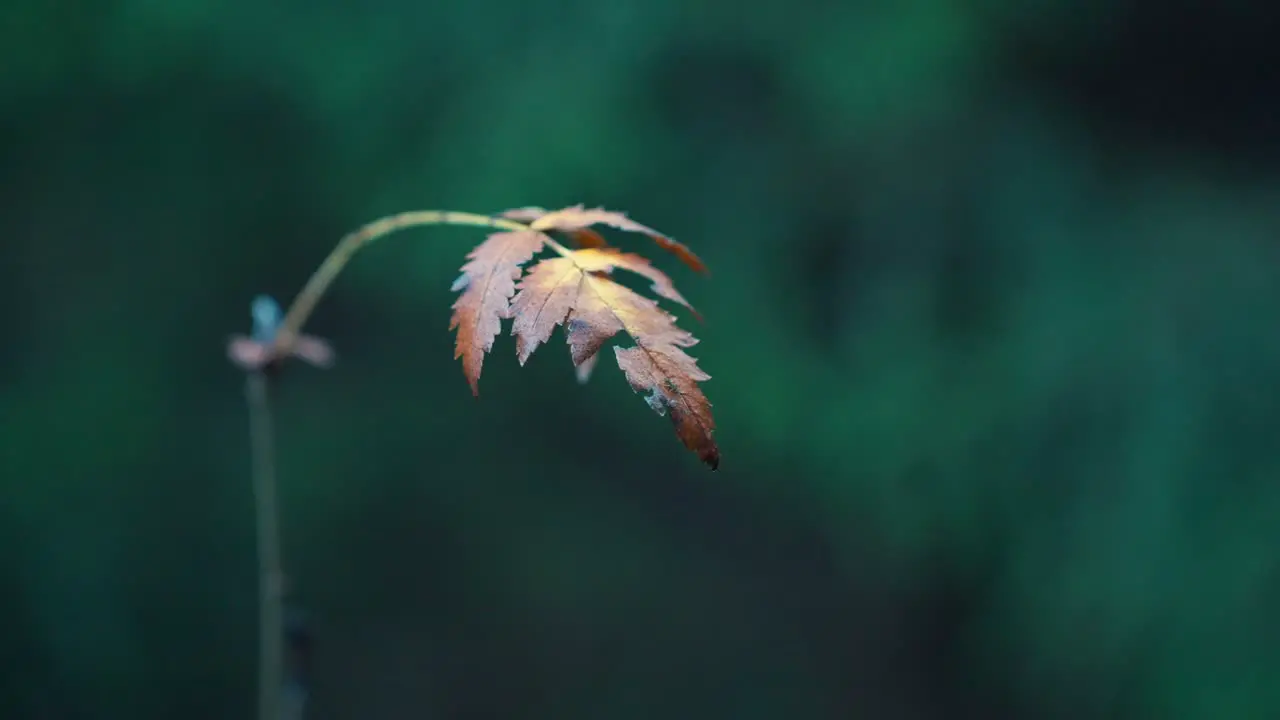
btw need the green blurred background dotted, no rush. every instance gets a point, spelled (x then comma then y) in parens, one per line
(991, 322)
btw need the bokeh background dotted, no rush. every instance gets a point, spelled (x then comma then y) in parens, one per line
(992, 322)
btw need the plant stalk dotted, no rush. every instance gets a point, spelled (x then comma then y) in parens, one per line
(270, 569)
(271, 671)
(302, 305)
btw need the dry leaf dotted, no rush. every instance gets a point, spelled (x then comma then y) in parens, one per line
(577, 292)
(487, 284)
(582, 237)
(670, 378)
(578, 218)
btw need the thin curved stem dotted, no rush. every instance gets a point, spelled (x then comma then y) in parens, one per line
(323, 277)
(270, 568)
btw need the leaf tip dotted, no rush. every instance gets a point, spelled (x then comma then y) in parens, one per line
(712, 458)
(583, 370)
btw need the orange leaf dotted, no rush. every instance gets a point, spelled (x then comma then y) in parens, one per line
(588, 238)
(546, 295)
(582, 237)
(670, 378)
(579, 217)
(553, 287)
(487, 284)
(576, 291)
(606, 259)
